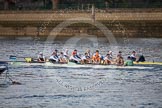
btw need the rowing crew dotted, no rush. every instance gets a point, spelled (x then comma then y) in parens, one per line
(96, 58)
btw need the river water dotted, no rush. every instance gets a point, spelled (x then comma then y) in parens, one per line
(43, 87)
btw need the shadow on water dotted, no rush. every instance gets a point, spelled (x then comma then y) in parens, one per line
(4, 85)
(59, 96)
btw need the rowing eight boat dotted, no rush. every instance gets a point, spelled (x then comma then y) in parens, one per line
(28, 59)
(73, 65)
(28, 62)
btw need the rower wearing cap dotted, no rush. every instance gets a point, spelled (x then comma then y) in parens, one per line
(96, 57)
(110, 54)
(41, 57)
(66, 53)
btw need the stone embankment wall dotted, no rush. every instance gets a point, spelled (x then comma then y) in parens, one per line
(132, 23)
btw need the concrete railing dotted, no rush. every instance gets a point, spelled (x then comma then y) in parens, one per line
(108, 10)
(65, 16)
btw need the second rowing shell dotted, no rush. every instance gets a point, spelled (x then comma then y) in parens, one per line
(73, 65)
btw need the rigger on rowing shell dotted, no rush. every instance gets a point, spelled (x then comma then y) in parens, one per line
(88, 58)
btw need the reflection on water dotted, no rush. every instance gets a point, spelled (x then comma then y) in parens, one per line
(56, 87)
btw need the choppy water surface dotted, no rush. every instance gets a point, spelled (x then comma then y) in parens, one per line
(55, 87)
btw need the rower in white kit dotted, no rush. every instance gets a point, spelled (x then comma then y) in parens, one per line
(41, 57)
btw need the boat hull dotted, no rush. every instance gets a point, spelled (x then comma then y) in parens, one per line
(79, 66)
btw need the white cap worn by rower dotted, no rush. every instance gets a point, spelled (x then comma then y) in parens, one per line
(66, 52)
(40, 53)
(110, 52)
